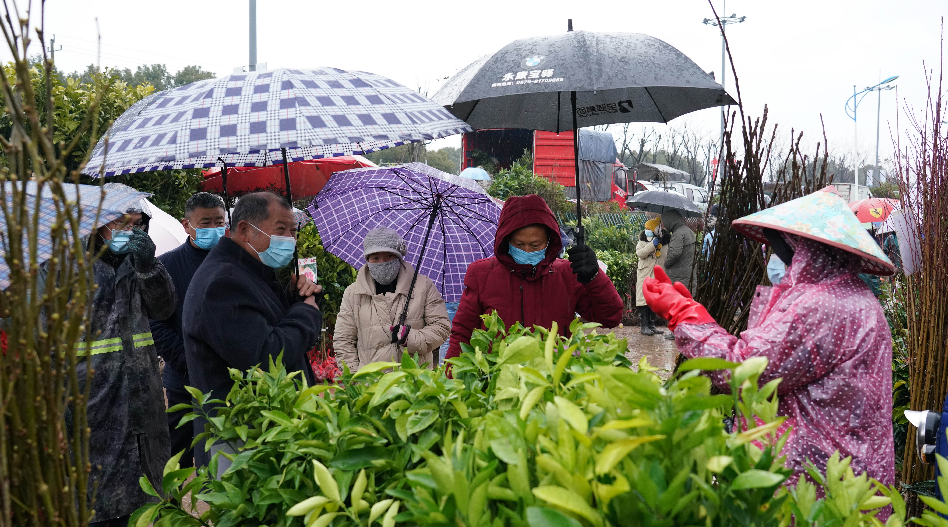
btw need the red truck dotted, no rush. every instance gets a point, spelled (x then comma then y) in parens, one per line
(604, 177)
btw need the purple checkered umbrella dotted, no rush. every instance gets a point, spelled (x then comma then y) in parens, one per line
(247, 119)
(447, 221)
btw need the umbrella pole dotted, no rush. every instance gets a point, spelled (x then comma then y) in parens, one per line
(289, 198)
(224, 187)
(424, 245)
(580, 233)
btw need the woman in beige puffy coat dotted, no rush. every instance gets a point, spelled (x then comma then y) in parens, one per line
(367, 328)
(651, 250)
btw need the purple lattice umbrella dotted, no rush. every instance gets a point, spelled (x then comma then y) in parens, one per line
(448, 221)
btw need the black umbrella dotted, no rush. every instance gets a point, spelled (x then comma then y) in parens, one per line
(659, 201)
(569, 81)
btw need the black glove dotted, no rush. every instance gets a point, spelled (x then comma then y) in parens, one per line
(666, 237)
(142, 250)
(583, 261)
(400, 334)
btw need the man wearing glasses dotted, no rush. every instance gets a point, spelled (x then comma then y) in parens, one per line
(126, 407)
(236, 315)
(204, 223)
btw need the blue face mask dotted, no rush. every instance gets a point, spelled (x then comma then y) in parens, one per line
(207, 238)
(119, 242)
(280, 251)
(776, 270)
(526, 258)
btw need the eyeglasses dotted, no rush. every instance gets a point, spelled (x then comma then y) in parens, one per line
(121, 225)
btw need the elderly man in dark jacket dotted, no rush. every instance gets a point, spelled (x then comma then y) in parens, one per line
(525, 281)
(236, 315)
(126, 408)
(204, 223)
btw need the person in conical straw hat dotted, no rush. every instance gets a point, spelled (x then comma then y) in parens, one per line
(821, 329)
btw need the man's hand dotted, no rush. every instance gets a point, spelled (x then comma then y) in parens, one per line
(142, 250)
(582, 260)
(307, 289)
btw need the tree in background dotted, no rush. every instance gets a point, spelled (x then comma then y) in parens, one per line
(155, 75)
(446, 159)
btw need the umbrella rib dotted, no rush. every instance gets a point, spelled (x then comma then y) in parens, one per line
(416, 198)
(656, 105)
(444, 252)
(411, 184)
(474, 215)
(464, 226)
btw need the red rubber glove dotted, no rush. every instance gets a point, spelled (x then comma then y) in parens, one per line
(673, 302)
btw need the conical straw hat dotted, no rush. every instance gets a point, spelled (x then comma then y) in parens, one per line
(820, 216)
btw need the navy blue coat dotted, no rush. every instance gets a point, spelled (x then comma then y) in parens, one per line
(236, 315)
(181, 264)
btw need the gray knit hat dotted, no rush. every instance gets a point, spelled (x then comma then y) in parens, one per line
(384, 240)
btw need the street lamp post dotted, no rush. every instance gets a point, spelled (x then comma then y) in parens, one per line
(851, 112)
(725, 20)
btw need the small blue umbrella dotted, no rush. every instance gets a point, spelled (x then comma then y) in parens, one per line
(447, 221)
(475, 173)
(247, 119)
(116, 200)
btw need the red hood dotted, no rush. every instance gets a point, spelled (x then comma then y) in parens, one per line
(521, 211)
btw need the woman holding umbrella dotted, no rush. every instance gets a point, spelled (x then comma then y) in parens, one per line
(368, 327)
(823, 333)
(525, 281)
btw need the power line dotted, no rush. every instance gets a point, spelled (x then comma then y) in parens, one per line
(125, 48)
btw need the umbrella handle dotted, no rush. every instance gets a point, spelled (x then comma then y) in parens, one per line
(224, 187)
(431, 219)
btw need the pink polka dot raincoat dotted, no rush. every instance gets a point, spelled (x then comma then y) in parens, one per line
(826, 337)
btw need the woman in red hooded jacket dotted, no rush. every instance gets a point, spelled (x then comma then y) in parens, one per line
(525, 281)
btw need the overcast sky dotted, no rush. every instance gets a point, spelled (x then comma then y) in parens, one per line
(801, 58)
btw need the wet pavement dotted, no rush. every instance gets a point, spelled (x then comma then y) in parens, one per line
(661, 353)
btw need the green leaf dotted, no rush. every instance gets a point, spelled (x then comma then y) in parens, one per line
(386, 382)
(374, 367)
(179, 407)
(568, 500)
(561, 363)
(572, 414)
(172, 463)
(326, 482)
(420, 420)
(717, 464)
(616, 452)
(520, 351)
(756, 479)
(303, 507)
(707, 364)
(531, 400)
(378, 509)
(146, 518)
(146, 486)
(359, 458)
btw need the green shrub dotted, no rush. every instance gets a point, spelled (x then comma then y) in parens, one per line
(543, 430)
(519, 180)
(621, 269)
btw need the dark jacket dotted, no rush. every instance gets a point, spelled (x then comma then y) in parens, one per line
(126, 408)
(530, 295)
(236, 315)
(680, 261)
(181, 264)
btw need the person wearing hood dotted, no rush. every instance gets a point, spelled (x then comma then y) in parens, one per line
(204, 223)
(681, 248)
(651, 250)
(822, 331)
(526, 282)
(368, 325)
(128, 437)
